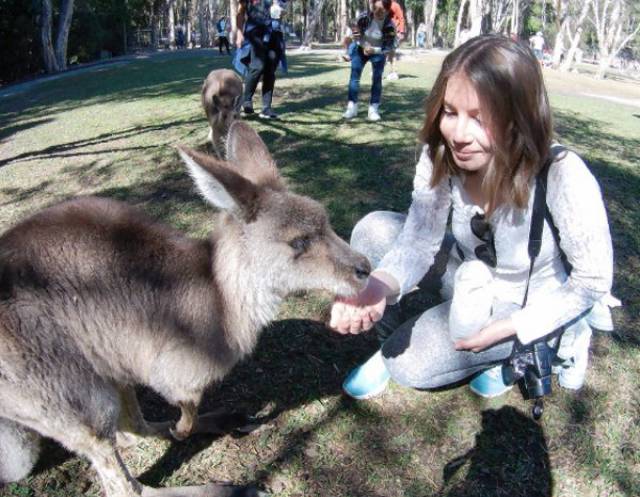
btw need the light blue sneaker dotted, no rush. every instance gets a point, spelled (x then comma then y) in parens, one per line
(489, 383)
(368, 380)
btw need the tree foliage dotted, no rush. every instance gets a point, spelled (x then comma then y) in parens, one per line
(19, 42)
(103, 28)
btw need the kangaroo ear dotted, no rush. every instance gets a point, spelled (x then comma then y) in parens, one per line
(221, 186)
(251, 157)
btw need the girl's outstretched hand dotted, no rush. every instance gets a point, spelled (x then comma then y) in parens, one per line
(487, 336)
(357, 314)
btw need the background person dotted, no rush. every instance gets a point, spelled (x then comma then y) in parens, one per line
(374, 35)
(487, 133)
(397, 16)
(536, 42)
(421, 35)
(261, 49)
(223, 26)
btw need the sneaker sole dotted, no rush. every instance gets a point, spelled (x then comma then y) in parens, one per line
(367, 395)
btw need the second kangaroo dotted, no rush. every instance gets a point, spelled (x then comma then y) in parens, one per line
(221, 93)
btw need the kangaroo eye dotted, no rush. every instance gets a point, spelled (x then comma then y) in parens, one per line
(300, 244)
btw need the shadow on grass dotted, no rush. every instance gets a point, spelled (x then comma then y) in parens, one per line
(510, 457)
(8, 131)
(609, 157)
(71, 149)
(167, 75)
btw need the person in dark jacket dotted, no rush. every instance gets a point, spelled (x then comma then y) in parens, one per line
(261, 48)
(374, 36)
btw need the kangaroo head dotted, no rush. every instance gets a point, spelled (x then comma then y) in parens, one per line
(221, 95)
(225, 108)
(286, 239)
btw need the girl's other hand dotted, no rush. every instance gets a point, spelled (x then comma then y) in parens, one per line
(488, 336)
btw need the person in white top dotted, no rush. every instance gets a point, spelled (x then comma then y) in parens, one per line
(537, 44)
(485, 136)
(374, 34)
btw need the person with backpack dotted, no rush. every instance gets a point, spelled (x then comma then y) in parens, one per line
(261, 49)
(486, 137)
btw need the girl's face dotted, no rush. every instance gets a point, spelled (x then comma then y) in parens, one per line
(378, 11)
(464, 127)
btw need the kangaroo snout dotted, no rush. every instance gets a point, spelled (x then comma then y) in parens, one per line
(362, 268)
(355, 266)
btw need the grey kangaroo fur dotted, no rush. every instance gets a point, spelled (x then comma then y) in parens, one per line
(95, 298)
(221, 94)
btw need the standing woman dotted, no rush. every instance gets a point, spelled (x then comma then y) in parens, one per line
(374, 35)
(261, 48)
(487, 134)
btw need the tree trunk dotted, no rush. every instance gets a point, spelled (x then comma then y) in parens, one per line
(476, 14)
(603, 66)
(575, 39)
(344, 18)
(203, 22)
(571, 53)
(305, 19)
(62, 38)
(410, 25)
(171, 22)
(558, 46)
(457, 40)
(48, 54)
(499, 12)
(430, 9)
(233, 14)
(188, 23)
(313, 23)
(156, 13)
(515, 17)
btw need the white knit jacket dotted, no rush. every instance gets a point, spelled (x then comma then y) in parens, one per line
(576, 206)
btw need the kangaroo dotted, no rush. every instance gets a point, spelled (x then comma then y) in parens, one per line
(95, 298)
(221, 94)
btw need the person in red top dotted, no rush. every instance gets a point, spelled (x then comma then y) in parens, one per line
(397, 16)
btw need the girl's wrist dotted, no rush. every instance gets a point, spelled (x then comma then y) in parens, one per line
(389, 284)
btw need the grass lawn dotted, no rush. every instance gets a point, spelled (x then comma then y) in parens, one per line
(112, 131)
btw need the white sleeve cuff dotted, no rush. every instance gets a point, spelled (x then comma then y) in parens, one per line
(527, 332)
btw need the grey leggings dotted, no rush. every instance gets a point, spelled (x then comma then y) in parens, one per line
(420, 352)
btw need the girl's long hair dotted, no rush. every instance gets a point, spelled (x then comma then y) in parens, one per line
(508, 79)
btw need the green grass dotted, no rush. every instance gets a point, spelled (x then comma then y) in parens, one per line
(112, 131)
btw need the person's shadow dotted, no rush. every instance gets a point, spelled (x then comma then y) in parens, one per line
(510, 457)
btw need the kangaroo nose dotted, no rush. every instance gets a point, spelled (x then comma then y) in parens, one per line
(362, 269)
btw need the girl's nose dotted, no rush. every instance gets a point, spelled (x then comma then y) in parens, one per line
(461, 132)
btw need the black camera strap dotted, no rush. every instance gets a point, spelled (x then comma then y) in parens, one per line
(540, 213)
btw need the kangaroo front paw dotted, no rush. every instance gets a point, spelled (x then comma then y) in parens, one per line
(178, 434)
(126, 440)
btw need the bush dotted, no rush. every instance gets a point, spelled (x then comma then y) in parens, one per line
(19, 44)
